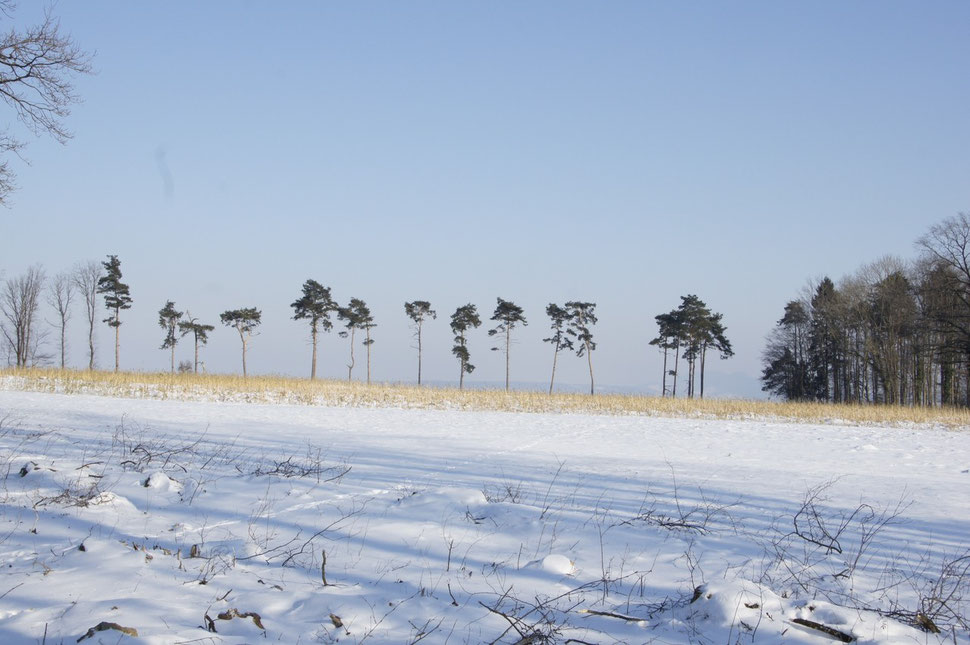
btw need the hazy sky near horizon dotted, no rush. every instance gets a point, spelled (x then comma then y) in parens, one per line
(625, 153)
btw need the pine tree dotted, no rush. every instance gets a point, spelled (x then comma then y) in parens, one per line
(244, 321)
(582, 315)
(464, 318)
(786, 371)
(168, 319)
(116, 298)
(824, 335)
(419, 311)
(199, 331)
(508, 315)
(558, 318)
(367, 325)
(714, 337)
(356, 315)
(694, 315)
(667, 339)
(315, 305)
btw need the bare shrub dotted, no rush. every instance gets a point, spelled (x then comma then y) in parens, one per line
(310, 465)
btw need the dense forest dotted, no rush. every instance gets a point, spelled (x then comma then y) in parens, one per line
(893, 332)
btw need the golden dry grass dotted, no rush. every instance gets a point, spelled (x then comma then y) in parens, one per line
(276, 389)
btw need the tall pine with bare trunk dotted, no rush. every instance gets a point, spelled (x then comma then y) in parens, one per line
(582, 316)
(465, 318)
(245, 321)
(168, 319)
(315, 305)
(200, 334)
(356, 316)
(116, 298)
(508, 315)
(558, 318)
(419, 311)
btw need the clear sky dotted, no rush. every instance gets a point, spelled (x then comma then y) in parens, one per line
(625, 153)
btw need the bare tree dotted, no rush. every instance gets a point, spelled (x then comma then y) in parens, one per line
(36, 68)
(60, 293)
(86, 278)
(19, 302)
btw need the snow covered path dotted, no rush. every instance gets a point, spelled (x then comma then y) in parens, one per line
(465, 526)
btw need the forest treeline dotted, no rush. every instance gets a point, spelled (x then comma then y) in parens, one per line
(893, 332)
(686, 332)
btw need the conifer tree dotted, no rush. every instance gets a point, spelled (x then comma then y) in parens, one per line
(315, 305)
(714, 337)
(464, 318)
(419, 311)
(693, 314)
(199, 331)
(582, 315)
(244, 321)
(116, 298)
(356, 315)
(558, 318)
(367, 325)
(668, 339)
(168, 319)
(508, 315)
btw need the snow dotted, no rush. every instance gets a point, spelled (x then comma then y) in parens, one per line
(451, 526)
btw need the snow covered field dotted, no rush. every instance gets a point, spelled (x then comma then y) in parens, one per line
(210, 523)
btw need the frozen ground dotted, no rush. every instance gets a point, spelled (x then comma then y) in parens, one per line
(209, 523)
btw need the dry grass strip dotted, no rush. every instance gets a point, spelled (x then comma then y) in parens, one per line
(295, 391)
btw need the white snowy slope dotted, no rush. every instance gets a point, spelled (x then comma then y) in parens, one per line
(189, 522)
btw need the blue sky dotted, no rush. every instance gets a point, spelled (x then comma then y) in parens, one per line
(624, 153)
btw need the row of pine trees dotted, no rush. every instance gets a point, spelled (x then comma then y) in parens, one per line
(571, 323)
(894, 332)
(686, 332)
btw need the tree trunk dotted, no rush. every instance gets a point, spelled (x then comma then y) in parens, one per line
(91, 345)
(703, 358)
(552, 380)
(63, 343)
(243, 338)
(676, 367)
(589, 359)
(663, 391)
(196, 335)
(117, 340)
(367, 332)
(461, 365)
(173, 355)
(690, 378)
(419, 353)
(313, 360)
(350, 366)
(508, 342)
